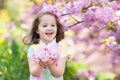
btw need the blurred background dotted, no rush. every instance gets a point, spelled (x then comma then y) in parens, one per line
(92, 49)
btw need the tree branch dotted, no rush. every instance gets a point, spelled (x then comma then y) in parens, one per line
(75, 24)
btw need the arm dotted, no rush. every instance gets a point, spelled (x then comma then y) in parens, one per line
(58, 70)
(35, 68)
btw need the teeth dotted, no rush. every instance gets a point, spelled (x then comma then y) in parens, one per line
(48, 33)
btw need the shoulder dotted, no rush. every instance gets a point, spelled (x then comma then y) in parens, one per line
(31, 50)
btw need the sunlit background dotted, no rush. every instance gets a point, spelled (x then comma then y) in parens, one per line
(92, 36)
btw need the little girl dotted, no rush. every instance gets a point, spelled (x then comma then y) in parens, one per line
(43, 39)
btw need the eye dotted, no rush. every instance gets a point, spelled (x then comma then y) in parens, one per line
(44, 25)
(53, 25)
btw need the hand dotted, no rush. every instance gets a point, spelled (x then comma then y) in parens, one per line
(43, 64)
(50, 62)
(47, 63)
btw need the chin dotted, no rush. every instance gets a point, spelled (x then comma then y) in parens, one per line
(49, 40)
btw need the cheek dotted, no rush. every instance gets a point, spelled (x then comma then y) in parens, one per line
(56, 29)
(40, 29)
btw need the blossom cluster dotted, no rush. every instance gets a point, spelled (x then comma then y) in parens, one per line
(45, 54)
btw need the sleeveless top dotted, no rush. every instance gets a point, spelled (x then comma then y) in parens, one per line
(46, 74)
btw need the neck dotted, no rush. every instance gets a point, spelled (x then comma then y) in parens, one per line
(45, 42)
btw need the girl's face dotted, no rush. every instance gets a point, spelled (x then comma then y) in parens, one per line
(47, 28)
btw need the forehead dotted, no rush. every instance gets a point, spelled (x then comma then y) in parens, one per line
(47, 18)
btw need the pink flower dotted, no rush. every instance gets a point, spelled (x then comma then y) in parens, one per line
(54, 55)
(44, 54)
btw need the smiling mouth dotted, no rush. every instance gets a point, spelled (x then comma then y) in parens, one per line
(50, 33)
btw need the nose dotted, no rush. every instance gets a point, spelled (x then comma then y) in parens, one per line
(49, 28)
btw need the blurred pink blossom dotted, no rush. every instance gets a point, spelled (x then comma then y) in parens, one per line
(88, 74)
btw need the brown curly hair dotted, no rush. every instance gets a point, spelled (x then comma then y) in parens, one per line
(33, 37)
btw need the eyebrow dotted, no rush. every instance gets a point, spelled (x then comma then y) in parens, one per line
(44, 23)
